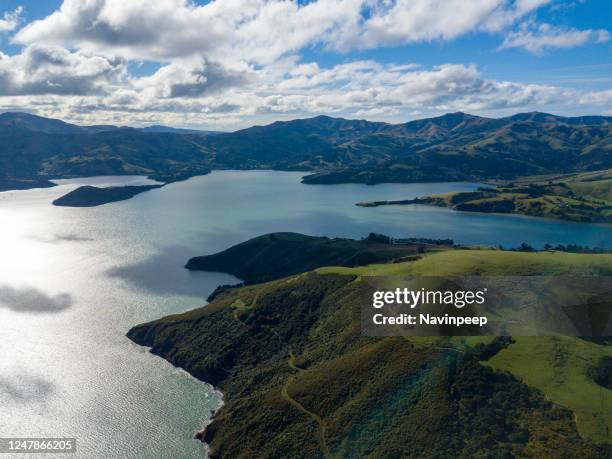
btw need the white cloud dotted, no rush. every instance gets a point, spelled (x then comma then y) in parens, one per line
(10, 20)
(191, 80)
(54, 70)
(508, 15)
(262, 31)
(241, 61)
(406, 21)
(537, 38)
(252, 30)
(601, 98)
(444, 87)
(356, 89)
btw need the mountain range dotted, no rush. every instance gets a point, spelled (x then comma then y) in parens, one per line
(455, 146)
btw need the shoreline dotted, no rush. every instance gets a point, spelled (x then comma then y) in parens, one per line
(580, 197)
(421, 202)
(200, 433)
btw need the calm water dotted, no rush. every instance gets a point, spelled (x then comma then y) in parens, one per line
(73, 281)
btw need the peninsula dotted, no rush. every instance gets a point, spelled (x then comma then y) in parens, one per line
(585, 197)
(92, 196)
(277, 255)
(299, 377)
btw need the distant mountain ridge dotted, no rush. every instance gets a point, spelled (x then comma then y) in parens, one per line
(158, 128)
(34, 149)
(336, 143)
(37, 123)
(455, 146)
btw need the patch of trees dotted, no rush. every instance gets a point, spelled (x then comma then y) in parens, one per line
(601, 373)
(569, 248)
(376, 237)
(575, 248)
(501, 206)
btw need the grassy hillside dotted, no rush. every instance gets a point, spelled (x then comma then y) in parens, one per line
(299, 377)
(43, 149)
(277, 255)
(583, 197)
(561, 373)
(458, 146)
(455, 146)
(488, 263)
(600, 190)
(451, 147)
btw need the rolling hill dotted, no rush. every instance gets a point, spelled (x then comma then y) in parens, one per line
(276, 255)
(455, 146)
(37, 149)
(298, 376)
(584, 197)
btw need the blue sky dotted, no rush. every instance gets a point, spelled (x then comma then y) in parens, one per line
(234, 63)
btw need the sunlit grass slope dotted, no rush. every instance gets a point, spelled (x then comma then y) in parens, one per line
(488, 263)
(558, 367)
(299, 377)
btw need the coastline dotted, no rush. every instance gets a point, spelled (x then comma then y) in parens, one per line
(257, 365)
(425, 202)
(246, 344)
(579, 197)
(200, 433)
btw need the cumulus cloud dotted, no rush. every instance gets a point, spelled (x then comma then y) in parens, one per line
(507, 14)
(367, 86)
(253, 30)
(180, 80)
(408, 21)
(42, 69)
(243, 61)
(262, 31)
(10, 20)
(354, 89)
(537, 38)
(601, 98)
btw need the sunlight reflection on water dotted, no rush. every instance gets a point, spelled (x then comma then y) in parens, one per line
(75, 280)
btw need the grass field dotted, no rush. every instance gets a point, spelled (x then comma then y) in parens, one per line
(557, 366)
(300, 377)
(488, 263)
(584, 197)
(592, 185)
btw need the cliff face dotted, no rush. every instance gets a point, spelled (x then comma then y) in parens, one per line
(301, 381)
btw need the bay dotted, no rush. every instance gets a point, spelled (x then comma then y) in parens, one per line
(74, 280)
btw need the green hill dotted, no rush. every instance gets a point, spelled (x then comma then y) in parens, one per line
(277, 255)
(38, 149)
(299, 377)
(585, 197)
(455, 146)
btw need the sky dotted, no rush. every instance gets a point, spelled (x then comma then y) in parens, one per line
(229, 64)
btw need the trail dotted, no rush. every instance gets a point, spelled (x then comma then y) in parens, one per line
(322, 428)
(237, 309)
